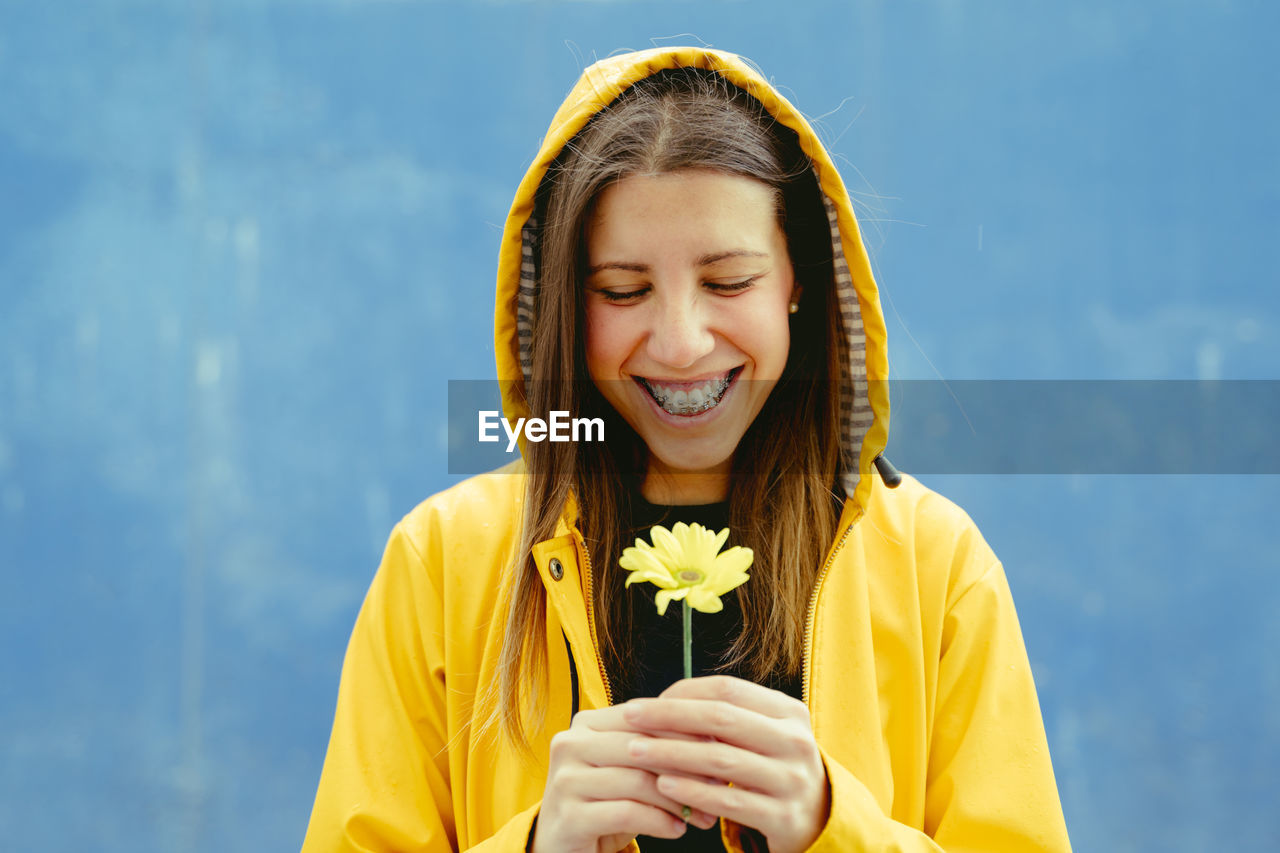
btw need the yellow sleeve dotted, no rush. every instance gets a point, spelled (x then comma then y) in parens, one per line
(385, 784)
(990, 781)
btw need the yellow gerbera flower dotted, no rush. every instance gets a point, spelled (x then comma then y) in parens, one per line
(684, 563)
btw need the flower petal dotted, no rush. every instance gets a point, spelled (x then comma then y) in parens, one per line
(662, 581)
(647, 565)
(664, 541)
(703, 599)
(733, 562)
(663, 596)
(731, 584)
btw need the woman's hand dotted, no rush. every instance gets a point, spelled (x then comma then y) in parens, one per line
(598, 796)
(757, 739)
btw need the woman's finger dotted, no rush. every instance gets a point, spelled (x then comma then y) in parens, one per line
(613, 719)
(758, 739)
(608, 748)
(598, 765)
(714, 762)
(719, 720)
(627, 817)
(624, 783)
(739, 692)
(749, 808)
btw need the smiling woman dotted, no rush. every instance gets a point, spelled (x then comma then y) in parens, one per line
(686, 319)
(682, 263)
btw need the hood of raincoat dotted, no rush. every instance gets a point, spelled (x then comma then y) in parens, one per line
(866, 416)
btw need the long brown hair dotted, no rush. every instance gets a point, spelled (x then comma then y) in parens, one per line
(782, 498)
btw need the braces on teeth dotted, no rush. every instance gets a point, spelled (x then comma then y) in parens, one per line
(690, 403)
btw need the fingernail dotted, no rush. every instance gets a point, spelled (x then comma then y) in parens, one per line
(639, 748)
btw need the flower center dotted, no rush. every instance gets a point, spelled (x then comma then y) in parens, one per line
(690, 576)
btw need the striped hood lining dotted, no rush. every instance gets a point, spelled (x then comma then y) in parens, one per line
(864, 412)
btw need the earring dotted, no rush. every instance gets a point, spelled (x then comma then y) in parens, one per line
(793, 307)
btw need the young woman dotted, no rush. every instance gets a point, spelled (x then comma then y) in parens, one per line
(682, 260)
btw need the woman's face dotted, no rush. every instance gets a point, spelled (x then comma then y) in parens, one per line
(687, 332)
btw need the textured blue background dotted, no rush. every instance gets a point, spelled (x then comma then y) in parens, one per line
(245, 243)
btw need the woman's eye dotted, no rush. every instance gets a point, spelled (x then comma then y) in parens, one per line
(731, 286)
(622, 295)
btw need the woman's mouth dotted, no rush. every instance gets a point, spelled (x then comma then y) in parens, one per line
(687, 399)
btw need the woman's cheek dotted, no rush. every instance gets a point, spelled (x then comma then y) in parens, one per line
(610, 341)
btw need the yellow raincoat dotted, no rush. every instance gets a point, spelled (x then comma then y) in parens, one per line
(916, 676)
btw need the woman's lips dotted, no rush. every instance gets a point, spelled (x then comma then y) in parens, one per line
(689, 398)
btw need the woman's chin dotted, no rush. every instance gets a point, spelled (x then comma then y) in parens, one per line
(685, 467)
(683, 487)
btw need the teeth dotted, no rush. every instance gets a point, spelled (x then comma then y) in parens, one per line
(691, 402)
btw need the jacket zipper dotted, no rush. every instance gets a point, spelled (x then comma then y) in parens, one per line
(813, 609)
(591, 615)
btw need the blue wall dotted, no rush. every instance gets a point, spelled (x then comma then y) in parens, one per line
(244, 244)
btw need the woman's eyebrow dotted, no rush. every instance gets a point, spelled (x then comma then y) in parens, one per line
(627, 266)
(716, 257)
(702, 261)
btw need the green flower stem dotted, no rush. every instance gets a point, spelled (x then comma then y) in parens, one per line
(685, 811)
(688, 639)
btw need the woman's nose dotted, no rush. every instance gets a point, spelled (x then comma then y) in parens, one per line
(680, 335)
